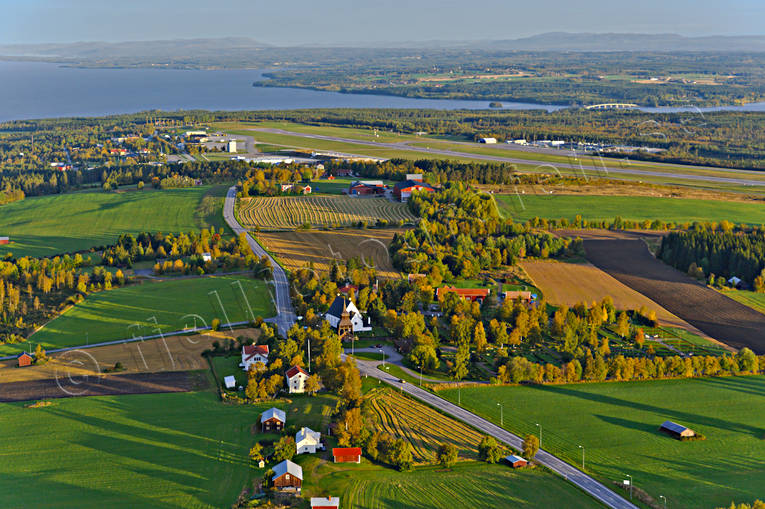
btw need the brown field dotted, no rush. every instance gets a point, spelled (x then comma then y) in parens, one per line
(134, 383)
(570, 283)
(177, 353)
(296, 249)
(627, 259)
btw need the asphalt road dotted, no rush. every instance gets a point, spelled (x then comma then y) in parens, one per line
(605, 171)
(285, 315)
(570, 473)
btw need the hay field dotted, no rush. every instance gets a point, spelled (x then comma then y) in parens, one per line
(296, 249)
(569, 283)
(425, 428)
(174, 353)
(284, 213)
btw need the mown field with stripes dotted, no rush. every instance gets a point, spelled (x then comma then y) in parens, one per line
(425, 428)
(290, 212)
(467, 484)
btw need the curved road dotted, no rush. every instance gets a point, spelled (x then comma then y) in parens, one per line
(285, 315)
(605, 169)
(570, 473)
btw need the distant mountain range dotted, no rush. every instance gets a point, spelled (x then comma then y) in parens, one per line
(553, 41)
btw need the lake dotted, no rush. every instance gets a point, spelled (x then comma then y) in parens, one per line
(45, 90)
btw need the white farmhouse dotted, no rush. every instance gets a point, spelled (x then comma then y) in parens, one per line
(307, 441)
(335, 313)
(296, 378)
(252, 354)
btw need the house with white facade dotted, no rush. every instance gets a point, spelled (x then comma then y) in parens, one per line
(307, 441)
(296, 379)
(252, 354)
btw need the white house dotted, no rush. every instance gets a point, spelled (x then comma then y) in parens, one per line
(229, 381)
(336, 310)
(296, 378)
(252, 354)
(307, 441)
(206, 257)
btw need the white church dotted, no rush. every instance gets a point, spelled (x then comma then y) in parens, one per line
(335, 313)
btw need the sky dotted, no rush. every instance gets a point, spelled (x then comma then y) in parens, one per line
(296, 22)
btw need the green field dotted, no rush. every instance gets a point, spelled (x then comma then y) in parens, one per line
(617, 423)
(48, 225)
(130, 311)
(470, 484)
(524, 207)
(155, 450)
(753, 300)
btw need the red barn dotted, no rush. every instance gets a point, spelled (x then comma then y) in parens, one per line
(325, 502)
(516, 461)
(347, 454)
(25, 360)
(4, 240)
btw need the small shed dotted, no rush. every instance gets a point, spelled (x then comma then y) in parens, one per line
(516, 461)
(25, 359)
(4, 240)
(273, 419)
(288, 476)
(329, 502)
(229, 382)
(346, 454)
(677, 430)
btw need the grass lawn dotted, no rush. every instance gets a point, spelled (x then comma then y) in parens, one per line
(48, 225)
(468, 484)
(155, 450)
(617, 423)
(753, 300)
(131, 311)
(629, 207)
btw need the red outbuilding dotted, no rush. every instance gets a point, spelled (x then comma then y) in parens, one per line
(347, 454)
(25, 360)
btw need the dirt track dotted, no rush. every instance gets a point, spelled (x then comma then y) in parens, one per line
(627, 259)
(136, 383)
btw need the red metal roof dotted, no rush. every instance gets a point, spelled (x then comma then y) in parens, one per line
(294, 370)
(252, 350)
(465, 292)
(346, 451)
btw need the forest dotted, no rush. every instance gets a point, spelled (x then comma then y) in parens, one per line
(723, 254)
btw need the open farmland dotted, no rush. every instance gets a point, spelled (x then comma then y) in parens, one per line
(61, 223)
(286, 213)
(636, 208)
(571, 283)
(296, 249)
(151, 451)
(467, 484)
(628, 260)
(152, 307)
(618, 425)
(424, 428)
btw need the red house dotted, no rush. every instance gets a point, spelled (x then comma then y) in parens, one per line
(471, 294)
(347, 454)
(403, 190)
(366, 188)
(25, 360)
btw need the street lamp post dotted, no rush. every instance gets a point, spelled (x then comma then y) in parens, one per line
(501, 417)
(383, 354)
(628, 475)
(582, 448)
(540, 433)
(665, 500)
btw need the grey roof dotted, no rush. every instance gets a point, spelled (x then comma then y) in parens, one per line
(513, 458)
(673, 426)
(287, 467)
(336, 309)
(273, 412)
